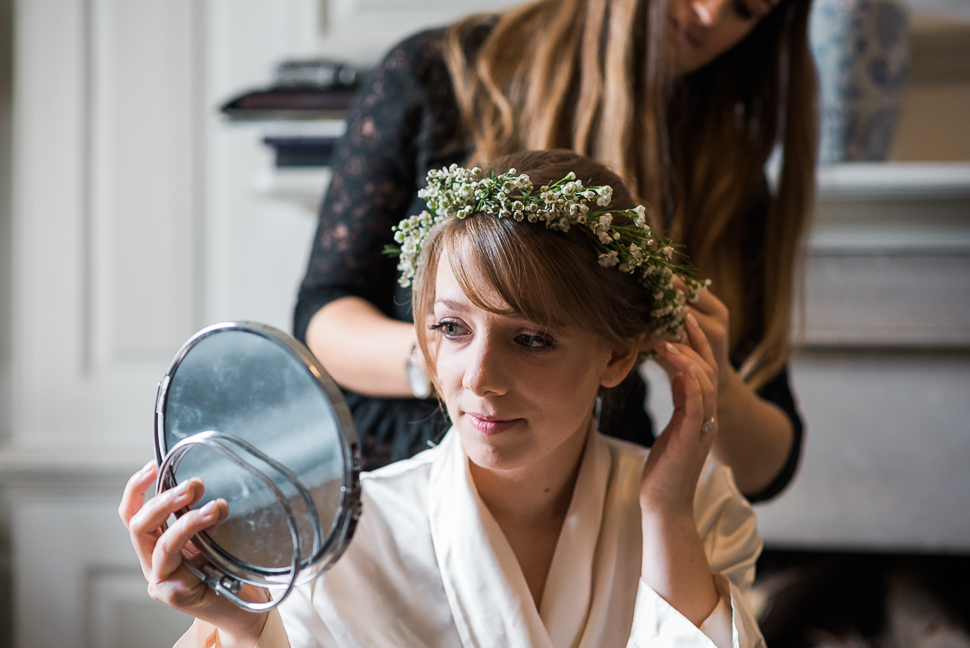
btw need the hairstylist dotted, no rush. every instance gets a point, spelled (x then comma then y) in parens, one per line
(685, 100)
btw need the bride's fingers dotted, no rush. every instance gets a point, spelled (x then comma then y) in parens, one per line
(693, 370)
(133, 497)
(699, 342)
(144, 525)
(680, 357)
(167, 556)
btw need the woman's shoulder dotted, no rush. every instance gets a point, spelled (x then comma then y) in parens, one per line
(426, 48)
(413, 70)
(419, 44)
(418, 53)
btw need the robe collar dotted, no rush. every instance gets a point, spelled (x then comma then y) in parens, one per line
(486, 590)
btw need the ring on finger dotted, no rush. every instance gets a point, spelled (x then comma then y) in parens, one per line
(708, 425)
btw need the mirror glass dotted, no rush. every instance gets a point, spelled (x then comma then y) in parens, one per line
(260, 387)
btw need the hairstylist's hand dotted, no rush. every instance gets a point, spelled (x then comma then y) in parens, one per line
(678, 455)
(161, 555)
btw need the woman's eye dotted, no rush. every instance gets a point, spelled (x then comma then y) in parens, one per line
(449, 328)
(536, 342)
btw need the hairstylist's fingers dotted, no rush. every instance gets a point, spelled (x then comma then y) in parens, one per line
(167, 557)
(133, 497)
(144, 527)
(706, 302)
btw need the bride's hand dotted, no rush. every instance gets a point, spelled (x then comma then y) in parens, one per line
(161, 555)
(677, 456)
(674, 563)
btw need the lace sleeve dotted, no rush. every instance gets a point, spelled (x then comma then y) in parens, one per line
(397, 125)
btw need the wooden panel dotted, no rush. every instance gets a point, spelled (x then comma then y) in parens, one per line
(889, 257)
(57, 573)
(6, 235)
(47, 225)
(886, 454)
(122, 615)
(903, 299)
(106, 224)
(144, 179)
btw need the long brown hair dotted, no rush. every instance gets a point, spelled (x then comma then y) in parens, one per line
(589, 75)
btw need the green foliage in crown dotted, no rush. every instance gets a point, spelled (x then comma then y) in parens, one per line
(457, 192)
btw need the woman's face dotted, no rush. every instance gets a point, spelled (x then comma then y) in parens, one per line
(517, 394)
(702, 30)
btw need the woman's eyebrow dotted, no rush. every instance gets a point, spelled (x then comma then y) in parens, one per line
(450, 304)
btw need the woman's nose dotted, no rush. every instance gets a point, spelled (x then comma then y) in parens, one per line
(708, 12)
(484, 371)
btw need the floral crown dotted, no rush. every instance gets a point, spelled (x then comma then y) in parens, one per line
(632, 248)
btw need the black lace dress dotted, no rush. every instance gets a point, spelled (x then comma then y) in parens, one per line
(405, 121)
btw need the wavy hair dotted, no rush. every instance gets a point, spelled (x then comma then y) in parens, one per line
(590, 76)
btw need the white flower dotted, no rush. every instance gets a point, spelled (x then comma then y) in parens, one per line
(609, 259)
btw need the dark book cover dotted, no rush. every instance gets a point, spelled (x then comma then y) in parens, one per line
(290, 103)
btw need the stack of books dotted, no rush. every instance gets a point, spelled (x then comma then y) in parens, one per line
(302, 113)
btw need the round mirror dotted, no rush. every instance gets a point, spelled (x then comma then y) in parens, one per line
(250, 410)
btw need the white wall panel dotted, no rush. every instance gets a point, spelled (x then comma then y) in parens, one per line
(106, 214)
(889, 299)
(886, 456)
(143, 179)
(122, 615)
(49, 199)
(77, 580)
(6, 243)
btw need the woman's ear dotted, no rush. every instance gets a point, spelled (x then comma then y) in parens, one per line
(623, 358)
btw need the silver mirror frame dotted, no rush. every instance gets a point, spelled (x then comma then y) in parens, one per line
(224, 573)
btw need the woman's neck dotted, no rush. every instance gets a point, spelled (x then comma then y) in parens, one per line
(538, 491)
(530, 505)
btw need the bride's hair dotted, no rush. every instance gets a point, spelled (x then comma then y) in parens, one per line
(549, 277)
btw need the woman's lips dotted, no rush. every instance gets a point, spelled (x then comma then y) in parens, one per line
(681, 33)
(489, 425)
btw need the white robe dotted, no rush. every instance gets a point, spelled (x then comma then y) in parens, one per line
(429, 566)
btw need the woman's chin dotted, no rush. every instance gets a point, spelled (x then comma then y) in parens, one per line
(493, 451)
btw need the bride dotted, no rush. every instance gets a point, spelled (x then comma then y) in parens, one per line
(534, 293)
